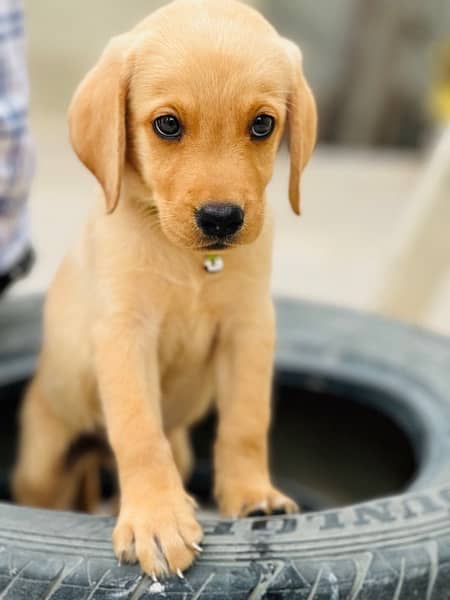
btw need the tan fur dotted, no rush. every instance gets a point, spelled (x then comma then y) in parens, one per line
(138, 338)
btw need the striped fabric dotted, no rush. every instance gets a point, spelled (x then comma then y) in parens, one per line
(16, 149)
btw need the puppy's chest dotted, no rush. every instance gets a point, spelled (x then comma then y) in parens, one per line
(188, 336)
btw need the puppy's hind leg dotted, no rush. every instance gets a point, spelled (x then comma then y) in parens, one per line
(40, 477)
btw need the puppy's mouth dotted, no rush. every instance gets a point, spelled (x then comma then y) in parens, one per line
(217, 246)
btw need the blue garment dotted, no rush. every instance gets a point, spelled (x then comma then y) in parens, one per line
(16, 148)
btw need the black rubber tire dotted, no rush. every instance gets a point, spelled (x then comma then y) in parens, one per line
(393, 548)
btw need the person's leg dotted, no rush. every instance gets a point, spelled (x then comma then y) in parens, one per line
(16, 149)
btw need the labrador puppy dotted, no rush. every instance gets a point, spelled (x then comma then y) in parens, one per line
(164, 304)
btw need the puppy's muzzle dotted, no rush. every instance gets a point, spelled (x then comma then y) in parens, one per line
(219, 221)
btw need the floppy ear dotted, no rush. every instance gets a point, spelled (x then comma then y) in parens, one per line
(97, 119)
(302, 124)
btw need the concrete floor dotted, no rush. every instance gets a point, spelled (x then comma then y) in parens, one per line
(353, 200)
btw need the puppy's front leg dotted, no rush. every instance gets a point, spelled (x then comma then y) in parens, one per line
(244, 377)
(156, 523)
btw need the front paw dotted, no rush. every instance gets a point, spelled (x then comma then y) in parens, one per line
(162, 535)
(247, 501)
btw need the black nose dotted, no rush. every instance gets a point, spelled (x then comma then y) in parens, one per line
(219, 220)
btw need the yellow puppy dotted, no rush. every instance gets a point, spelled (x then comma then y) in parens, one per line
(180, 122)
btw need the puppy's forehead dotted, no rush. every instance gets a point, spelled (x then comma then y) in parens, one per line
(214, 49)
(205, 68)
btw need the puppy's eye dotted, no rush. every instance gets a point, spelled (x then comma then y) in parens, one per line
(262, 127)
(168, 127)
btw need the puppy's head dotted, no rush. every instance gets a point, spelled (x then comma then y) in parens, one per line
(195, 99)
